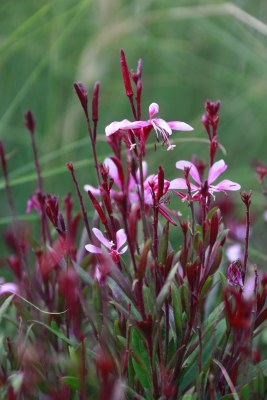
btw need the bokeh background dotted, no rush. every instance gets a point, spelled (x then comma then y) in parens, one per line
(191, 50)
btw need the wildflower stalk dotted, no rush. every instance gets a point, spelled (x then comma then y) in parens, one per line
(142, 203)
(127, 82)
(30, 125)
(83, 371)
(130, 243)
(190, 202)
(245, 197)
(82, 95)
(167, 330)
(95, 109)
(84, 213)
(6, 179)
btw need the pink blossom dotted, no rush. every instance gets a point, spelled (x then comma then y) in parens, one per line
(114, 249)
(234, 252)
(34, 203)
(117, 126)
(114, 174)
(198, 188)
(9, 287)
(160, 125)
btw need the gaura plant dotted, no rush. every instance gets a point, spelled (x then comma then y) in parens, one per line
(137, 302)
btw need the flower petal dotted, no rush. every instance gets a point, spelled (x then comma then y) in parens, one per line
(217, 169)
(178, 183)
(225, 185)
(93, 190)
(193, 170)
(234, 252)
(153, 109)
(144, 166)
(113, 172)
(101, 238)
(120, 238)
(162, 125)
(137, 125)
(179, 126)
(132, 181)
(123, 250)
(93, 249)
(116, 126)
(9, 288)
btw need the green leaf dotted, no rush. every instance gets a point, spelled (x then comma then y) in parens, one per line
(5, 306)
(166, 287)
(223, 280)
(16, 381)
(185, 299)
(72, 381)
(82, 273)
(191, 396)
(177, 311)
(124, 310)
(140, 360)
(212, 212)
(205, 287)
(98, 307)
(148, 300)
(217, 261)
(57, 332)
(142, 264)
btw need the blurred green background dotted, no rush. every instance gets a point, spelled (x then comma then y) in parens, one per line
(191, 50)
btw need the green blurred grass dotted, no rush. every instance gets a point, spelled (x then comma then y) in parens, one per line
(192, 50)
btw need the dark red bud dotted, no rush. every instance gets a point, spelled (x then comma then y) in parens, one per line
(15, 264)
(160, 183)
(69, 166)
(192, 273)
(126, 75)
(245, 197)
(29, 122)
(82, 95)
(3, 157)
(98, 208)
(139, 68)
(214, 227)
(95, 102)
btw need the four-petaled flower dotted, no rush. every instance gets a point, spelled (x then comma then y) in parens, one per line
(202, 188)
(160, 125)
(114, 249)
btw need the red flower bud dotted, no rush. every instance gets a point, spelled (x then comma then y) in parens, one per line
(82, 95)
(29, 122)
(95, 102)
(126, 75)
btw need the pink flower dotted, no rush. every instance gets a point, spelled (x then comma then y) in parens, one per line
(114, 249)
(234, 252)
(114, 174)
(117, 126)
(34, 203)
(9, 288)
(161, 127)
(198, 188)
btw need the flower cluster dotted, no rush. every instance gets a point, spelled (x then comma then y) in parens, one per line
(129, 298)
